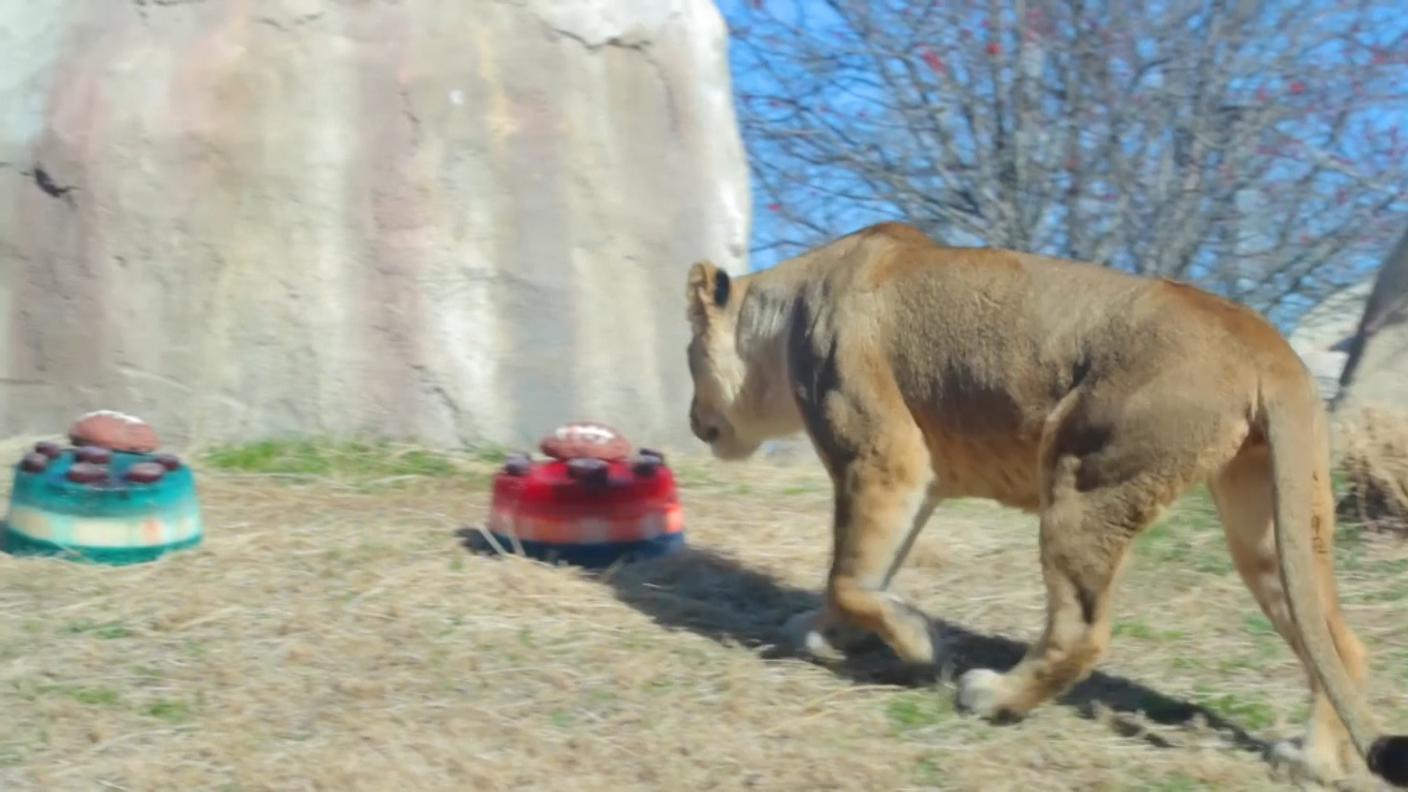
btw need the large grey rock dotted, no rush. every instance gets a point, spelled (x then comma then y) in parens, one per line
(444, 221)
(1323, 334)
(1376, 367)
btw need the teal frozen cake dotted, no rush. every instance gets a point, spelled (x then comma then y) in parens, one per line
(110, 498)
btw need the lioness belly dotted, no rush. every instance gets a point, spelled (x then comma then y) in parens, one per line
(1003, 469)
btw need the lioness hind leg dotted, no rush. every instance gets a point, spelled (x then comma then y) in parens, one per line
(1243, 494)
(1084, 539)
(878, 513)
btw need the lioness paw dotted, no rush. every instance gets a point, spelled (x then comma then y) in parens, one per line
(1288, 757)
(982, 692)
(812, 633)
(804, 633)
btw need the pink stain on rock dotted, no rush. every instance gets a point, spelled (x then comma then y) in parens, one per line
(397, 206)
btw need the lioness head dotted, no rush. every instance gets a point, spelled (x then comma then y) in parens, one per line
(718, 414)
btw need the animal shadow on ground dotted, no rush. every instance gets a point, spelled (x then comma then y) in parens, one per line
(714, 596)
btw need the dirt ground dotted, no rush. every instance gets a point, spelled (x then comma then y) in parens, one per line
(333, 634)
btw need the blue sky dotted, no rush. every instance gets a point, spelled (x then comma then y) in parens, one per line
(737, 13)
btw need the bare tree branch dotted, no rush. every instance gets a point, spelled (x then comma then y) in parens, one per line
(1251, 147)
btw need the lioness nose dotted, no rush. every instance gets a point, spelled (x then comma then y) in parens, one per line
(707, 433)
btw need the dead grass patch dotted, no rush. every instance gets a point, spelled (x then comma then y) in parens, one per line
(1374, 460)
(332, 633)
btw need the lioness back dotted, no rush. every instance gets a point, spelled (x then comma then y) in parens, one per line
(982, 343)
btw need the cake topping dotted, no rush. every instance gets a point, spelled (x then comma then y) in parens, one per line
(115, 431)
(98, 455)
(146, 472)
(48, 448)
(585, 440)
(87, 473)
(644, 464)
(518, 465)
(588, 470)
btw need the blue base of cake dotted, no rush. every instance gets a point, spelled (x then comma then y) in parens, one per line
(18, 544)
(595, 555)
(111, 522)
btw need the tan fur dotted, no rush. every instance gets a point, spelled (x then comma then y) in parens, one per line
(1089, 397)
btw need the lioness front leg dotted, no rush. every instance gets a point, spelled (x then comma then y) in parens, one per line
(877, 516)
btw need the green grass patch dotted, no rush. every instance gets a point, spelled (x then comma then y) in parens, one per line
(562, 719)
(1395, 590)
(169, 710)
(88, 696)
(1143, 631)
(1246, 711)
(1258, 624)
(1190, 537)
(929, 772)
(1389, 567)
(353, 460)
(12, 756)
(911, 711)
(1181, 663)
(107, 631)
(598, 697)
(324, 458)
(1350, 547)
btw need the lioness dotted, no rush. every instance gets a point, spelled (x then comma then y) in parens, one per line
(1091, 397)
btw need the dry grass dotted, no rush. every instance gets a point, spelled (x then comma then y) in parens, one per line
(1374, 457)
(332, 634)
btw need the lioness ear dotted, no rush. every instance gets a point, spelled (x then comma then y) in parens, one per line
(708, 290)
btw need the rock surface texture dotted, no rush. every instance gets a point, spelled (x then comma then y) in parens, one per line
(438, 221)
(1376, 367)
(1323, 336)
